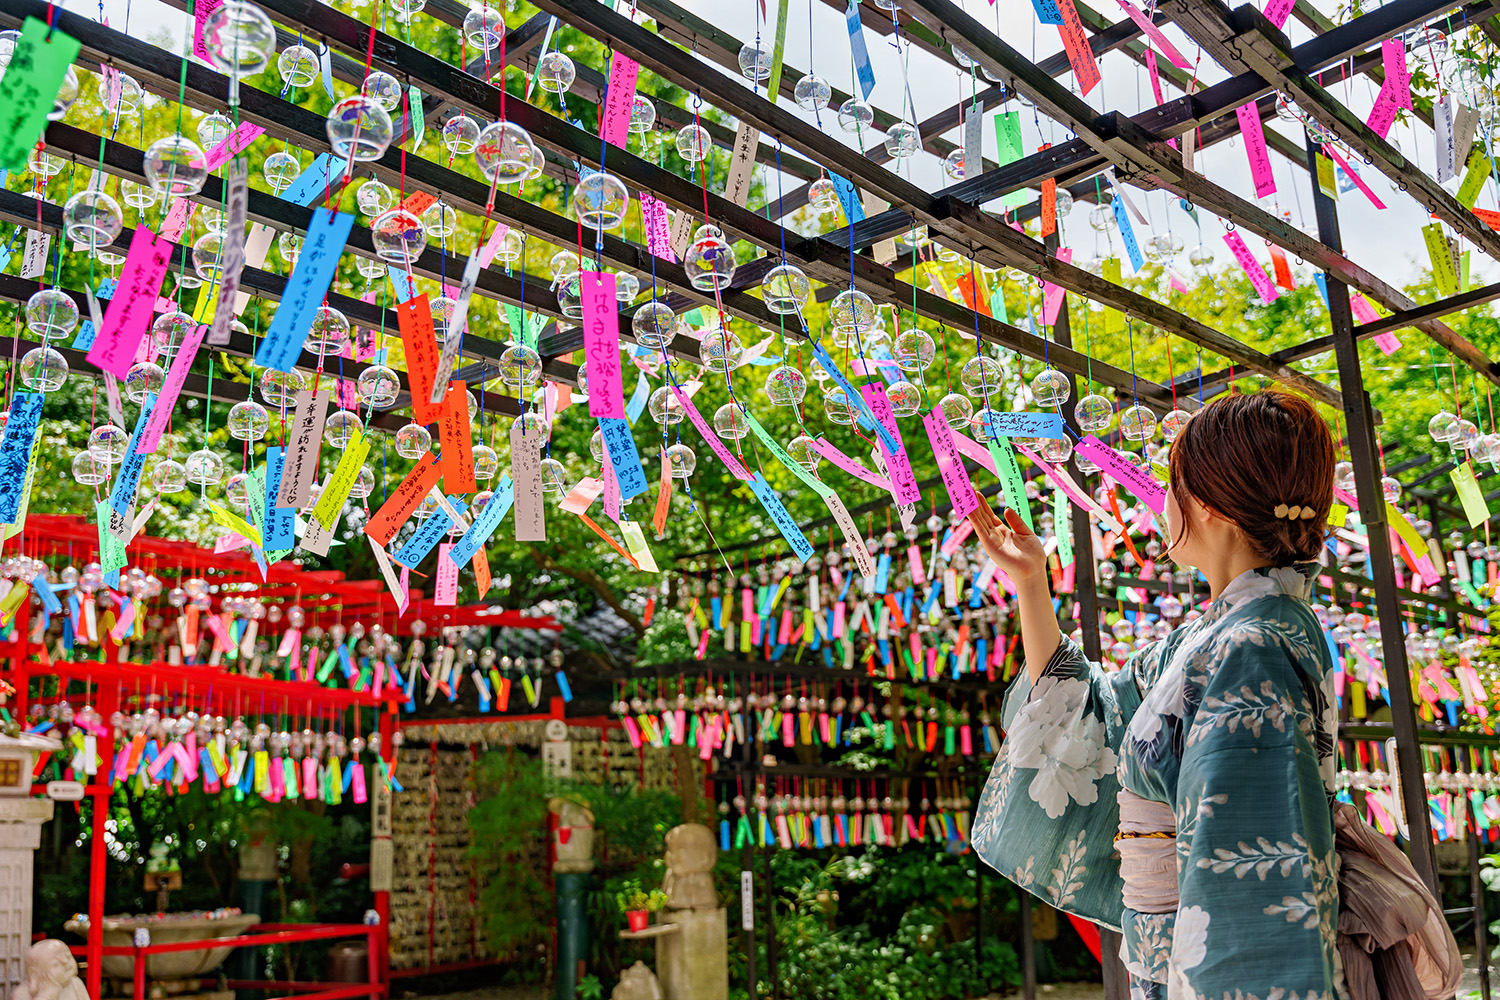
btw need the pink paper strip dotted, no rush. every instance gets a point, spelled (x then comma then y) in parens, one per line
(1155, 74)
(202, 11)
(1397, 76)
(1352, 175)
(849, 465)
(445, 590)
(129, 312)
(730, 462)
(658, 232)
(1277, 11)
(234, 144)
(1264, 287)
(582, 496)
(1151, 31)
(228, 542)
(122, 627)
(1052, 295)
(956, 537)
(1364, 312)
(601, 345)
(611, 490)
(176, 221)
(492, 245)
(1383, 114)
(1255, 149)
(614, 120)
(1387, 343)
(1134, 478)
(166, 401)
(903, 481)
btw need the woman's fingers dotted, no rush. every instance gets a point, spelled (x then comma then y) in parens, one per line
(983, 517)
(1015, 523)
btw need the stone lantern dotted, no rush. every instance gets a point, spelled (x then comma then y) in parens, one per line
(21, 819)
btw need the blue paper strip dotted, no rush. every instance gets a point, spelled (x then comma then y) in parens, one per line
(623, 458)
(1025, 425)
(312, 182)
(854, 211)
(638, 399)
(49, 599)
(1047, 11)
(485, 524)
(15, 451)
(1127, 233)
(305, 289)
(426, 537)
(128, 480)
(783, 518)
(84, 339)
(280, 530)
(860, 52)
(856, 399)
(401, 283)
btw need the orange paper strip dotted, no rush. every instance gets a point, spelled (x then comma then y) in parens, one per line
(456, 435)
(398, 507)
(420, 342)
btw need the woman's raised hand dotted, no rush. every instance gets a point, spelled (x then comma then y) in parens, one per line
(1012, 545)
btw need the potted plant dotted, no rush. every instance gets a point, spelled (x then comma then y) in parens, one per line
(635, 903)
(638, 903)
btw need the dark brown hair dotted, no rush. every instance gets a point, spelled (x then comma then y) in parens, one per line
(1243, 455)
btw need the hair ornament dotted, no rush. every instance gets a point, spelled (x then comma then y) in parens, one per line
(1295, 512)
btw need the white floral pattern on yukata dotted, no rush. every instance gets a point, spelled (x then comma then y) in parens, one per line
(1228, 721)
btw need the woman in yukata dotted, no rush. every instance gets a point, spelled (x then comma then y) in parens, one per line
(1186, 799)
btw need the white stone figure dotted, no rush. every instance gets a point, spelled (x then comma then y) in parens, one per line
(637, 983)
(51, 974)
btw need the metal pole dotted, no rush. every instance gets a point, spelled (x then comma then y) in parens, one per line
(1360, 420)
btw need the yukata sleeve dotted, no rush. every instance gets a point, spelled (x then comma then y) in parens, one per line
(1258, 896)
(1047, 816)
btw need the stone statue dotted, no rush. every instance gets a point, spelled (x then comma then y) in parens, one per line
(691, 855)
(573, 837)
(637, 983)
(51, 974)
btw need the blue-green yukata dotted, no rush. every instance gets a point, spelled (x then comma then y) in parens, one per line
(1229, 721)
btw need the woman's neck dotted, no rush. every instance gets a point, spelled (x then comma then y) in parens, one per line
(1237, 562)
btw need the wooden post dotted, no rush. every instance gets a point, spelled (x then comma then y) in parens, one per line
(1360, 421)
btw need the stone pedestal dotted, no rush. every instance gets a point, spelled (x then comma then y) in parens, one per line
(693, 964)
(21, 822)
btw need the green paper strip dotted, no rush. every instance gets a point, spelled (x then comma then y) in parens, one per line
(1008, 137)
(28, 91)
(1063, 527)
(792, 466)
(1004, 457)
(773, 85)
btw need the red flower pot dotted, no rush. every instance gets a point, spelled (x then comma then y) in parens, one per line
(638, 919)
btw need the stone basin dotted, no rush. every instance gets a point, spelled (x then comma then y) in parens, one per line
(120, 932)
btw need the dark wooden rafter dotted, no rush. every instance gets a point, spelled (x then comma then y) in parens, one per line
(1243, 38)
(829, 264)
(1146, 160)
(962, 225)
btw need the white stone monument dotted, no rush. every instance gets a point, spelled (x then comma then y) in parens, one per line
(21, 819)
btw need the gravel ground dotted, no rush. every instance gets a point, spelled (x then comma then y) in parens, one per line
(1469, 990)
